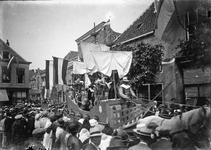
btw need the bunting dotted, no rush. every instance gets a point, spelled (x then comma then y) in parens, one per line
(60, 69)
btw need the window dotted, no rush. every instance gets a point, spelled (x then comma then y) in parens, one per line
(20, 75)
(150, 91)
(5, 75)
(6, 55)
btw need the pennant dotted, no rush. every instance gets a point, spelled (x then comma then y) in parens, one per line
(60, 67)
(49, 74)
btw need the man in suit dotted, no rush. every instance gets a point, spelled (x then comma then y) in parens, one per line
(144, 134)
(163, 142)
(95, 139)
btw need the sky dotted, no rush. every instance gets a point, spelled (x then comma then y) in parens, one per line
(38, 30)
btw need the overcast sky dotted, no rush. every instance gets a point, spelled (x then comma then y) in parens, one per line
(40, 30)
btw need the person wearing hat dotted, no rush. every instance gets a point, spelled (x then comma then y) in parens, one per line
(68, 139)
(144, 134)
(116, 143)
(125, 91)
(163, 142)
(9, 120)
(95, 139)
(19, 129)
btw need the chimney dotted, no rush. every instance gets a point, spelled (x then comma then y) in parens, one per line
(8, 43)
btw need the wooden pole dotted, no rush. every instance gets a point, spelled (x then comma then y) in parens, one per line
(114, 82)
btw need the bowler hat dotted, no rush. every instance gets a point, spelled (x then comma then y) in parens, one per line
(123, 134)
(73, 126)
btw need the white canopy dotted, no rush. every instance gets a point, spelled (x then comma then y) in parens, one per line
(97, 57)
(79, 67)
(105, 62)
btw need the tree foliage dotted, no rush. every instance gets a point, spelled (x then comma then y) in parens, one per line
(146, 62)
(196, 52)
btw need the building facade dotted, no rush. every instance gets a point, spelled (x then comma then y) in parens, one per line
(37, 85)
(170, 79)
(14, 74)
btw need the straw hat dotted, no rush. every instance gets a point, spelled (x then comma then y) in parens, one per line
(93, 122)
(94, 132)
(125, 79)
(18, 116)
(142, 129)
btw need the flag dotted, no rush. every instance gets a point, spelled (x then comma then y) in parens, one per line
(10, 63)
(49, 74)
(60, 67)
(170, 21)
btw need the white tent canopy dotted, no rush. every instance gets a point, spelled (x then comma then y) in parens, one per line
(79, 67)
(97, 57)
(105, 62)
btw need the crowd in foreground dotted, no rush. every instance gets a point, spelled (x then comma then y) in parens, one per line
(28, 127)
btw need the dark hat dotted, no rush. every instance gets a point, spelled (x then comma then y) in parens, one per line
(79, 115)
(58, 115)
(164, 133)
(96, 118)
(87, 117)
(123, 134)
(116, 142)
(73, 126)
(152, 125)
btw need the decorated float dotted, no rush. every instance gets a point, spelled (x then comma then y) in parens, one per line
(115, 112)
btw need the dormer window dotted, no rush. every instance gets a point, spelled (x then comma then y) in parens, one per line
(6, 55)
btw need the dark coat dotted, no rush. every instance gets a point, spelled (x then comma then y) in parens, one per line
(19, 130)
(30, 125)
(90, 146)
(161, 145)
(140, 146)
(68, 141)
(8, 126)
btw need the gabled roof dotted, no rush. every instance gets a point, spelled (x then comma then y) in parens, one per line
(71, 55)
(5, 47)
(87, 34)
(143, 25)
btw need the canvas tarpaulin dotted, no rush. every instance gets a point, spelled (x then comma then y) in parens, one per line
(79, 67)
(3, 96)
(84, 52)
(107, 61)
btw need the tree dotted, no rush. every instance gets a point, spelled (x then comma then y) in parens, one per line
(146, 62)
(196, 52)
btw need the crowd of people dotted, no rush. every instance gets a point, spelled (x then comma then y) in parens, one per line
(29, 127)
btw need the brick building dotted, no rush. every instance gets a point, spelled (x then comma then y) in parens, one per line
(142, 30)
(14, 74)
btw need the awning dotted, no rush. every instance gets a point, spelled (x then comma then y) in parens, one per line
(3, 96)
